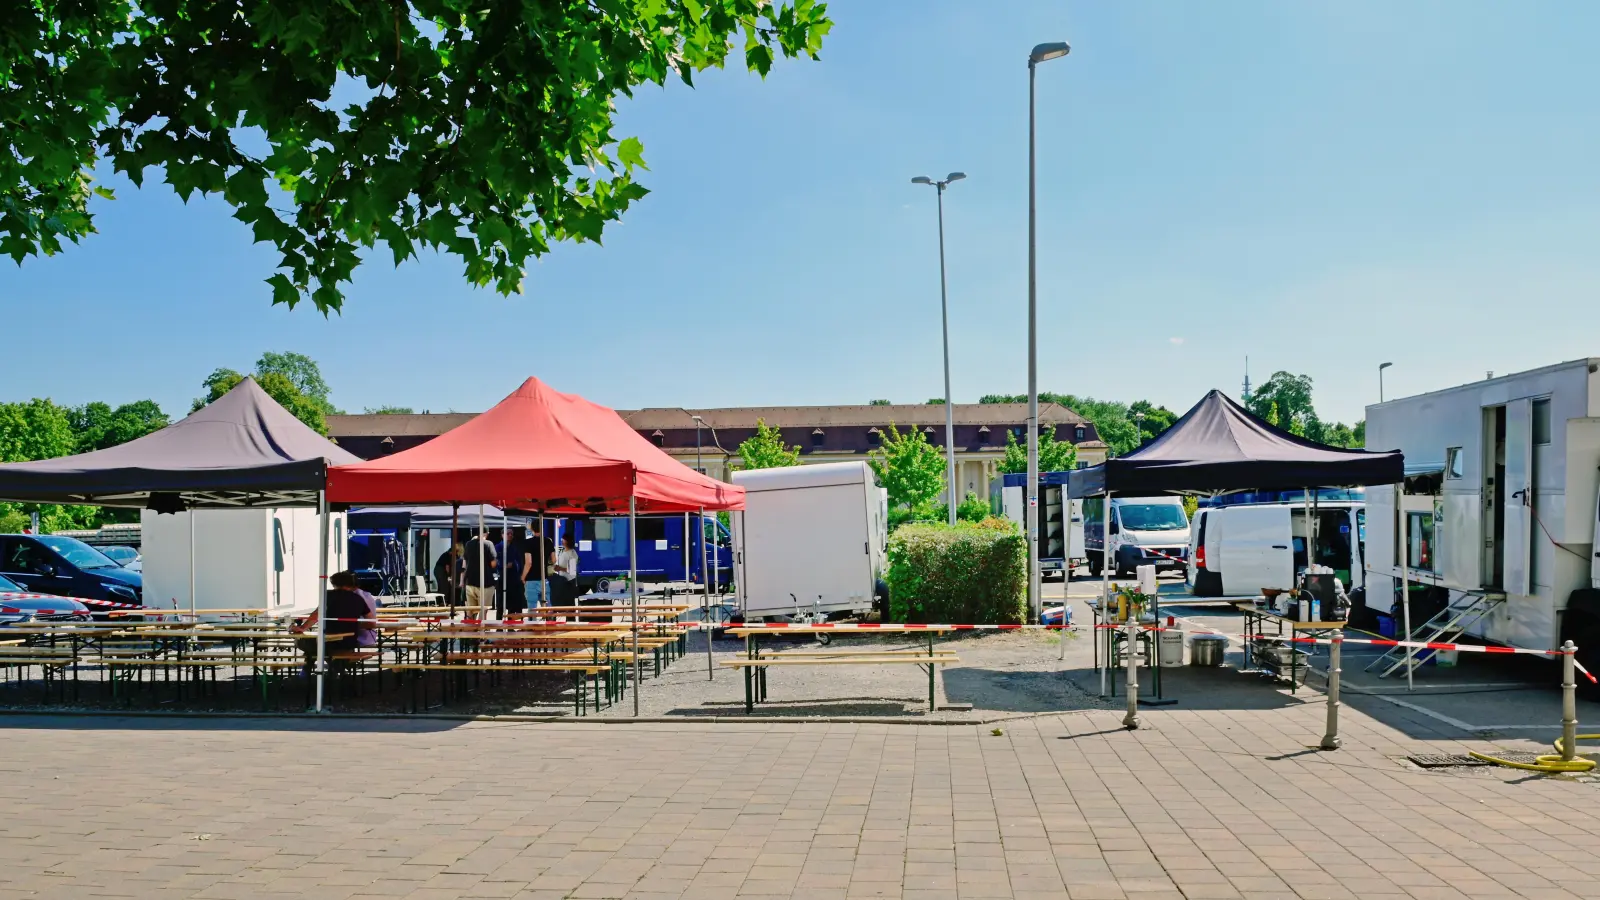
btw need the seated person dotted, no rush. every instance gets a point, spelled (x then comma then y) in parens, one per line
(346, 605)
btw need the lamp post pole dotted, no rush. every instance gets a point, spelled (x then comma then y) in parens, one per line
(1041, 53)
(1381, 367)
(944, 316)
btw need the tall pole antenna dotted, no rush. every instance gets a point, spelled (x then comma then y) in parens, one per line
(1246, 396)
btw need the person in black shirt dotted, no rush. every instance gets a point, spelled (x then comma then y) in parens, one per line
(446, 576)
(352, 615)
(481, 598)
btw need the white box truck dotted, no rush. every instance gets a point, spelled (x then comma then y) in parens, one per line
(1500, 505)
(243, 558)
(811, 539)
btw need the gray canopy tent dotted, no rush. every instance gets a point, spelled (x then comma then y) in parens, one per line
(242, 451)
(1218, 446)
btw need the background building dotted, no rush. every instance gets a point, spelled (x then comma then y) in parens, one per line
(823, 433)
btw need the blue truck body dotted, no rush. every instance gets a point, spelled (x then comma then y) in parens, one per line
(603, 549)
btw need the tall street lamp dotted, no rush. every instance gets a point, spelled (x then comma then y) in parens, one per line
(1041, 53)
(944, 315)
(1381, 367)
(698, 466)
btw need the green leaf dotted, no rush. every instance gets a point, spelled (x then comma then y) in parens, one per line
(631, 153)
(283, 291)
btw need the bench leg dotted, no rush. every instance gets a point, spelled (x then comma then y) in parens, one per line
(596, 690)
(749, 696)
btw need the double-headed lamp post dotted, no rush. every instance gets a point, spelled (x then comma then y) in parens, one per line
(1041, 53)
(944, 315)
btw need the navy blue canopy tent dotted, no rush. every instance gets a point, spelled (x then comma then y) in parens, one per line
(1220, 446)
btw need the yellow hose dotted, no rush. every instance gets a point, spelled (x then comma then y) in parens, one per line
(1546, 763)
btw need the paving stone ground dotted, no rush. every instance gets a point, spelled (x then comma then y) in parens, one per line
(1199, 803)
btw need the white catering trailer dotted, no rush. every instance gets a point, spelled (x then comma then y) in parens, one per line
(262, 559)
(1500, 505)
(811, 539)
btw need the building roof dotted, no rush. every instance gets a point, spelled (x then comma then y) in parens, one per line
(653, 418)
(849, 416)
(390, 424)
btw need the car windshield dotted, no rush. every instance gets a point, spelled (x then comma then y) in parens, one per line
(1153, 517)
(121, 555)
(78, 553)
(7, 584)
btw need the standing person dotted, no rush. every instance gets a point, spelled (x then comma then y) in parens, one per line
(479, 548)
(446, 575)
(513, 550)
(564, 572)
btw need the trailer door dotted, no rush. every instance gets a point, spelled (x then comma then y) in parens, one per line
(1517, 496)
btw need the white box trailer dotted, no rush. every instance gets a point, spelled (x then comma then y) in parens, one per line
(1500, 504)
(243, 558)
(813, 537)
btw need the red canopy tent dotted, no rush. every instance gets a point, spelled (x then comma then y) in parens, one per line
(548, 451)
(537, 449)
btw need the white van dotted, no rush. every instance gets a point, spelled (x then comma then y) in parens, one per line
(1144, 531)
(1238, 550)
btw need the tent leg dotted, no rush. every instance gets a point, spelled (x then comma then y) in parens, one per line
(482, 541)
(455, 558)
(322, 594)
(1105, 591)
(192, 602)
(705, 610)
(633, 593)
(1405, 578)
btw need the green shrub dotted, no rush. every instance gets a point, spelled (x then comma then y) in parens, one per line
(969, 574)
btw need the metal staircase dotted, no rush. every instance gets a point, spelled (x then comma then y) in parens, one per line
(1463, 610)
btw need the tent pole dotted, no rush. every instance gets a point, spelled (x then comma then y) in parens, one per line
(544, 583)
(633, 593)
(482, 539)
(322, 592)
(1105, 587)
(705, 606)
(455, 558)
(501, 602)
(192, 605)
(1405, 577)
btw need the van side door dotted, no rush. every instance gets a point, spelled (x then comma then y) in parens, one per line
(1257, 551)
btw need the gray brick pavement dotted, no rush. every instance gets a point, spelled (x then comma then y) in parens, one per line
(1198, 804)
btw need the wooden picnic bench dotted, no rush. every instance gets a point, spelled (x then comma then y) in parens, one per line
(755, 663)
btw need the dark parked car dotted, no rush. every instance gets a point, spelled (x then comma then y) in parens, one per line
(66, 567)
(18, 606)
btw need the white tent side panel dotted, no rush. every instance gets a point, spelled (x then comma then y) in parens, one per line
(244, 559)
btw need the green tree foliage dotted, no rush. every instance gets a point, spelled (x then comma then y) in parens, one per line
(766, 450)
(1110, 418)
(97, 426)
(1285, 401)
(909, 468)
(388, 411)
(1054, 455)
(483, 130)
(1154, 421)
(970, 573)
(936, 401)
(302, 372)
(878, 403)
(39, 429)
(972, 508)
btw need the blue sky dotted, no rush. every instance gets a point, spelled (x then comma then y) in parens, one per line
(1321, 186)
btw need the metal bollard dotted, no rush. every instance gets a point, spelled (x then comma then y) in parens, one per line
(1131, 645)
(1330, 739)
(1569, 702)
